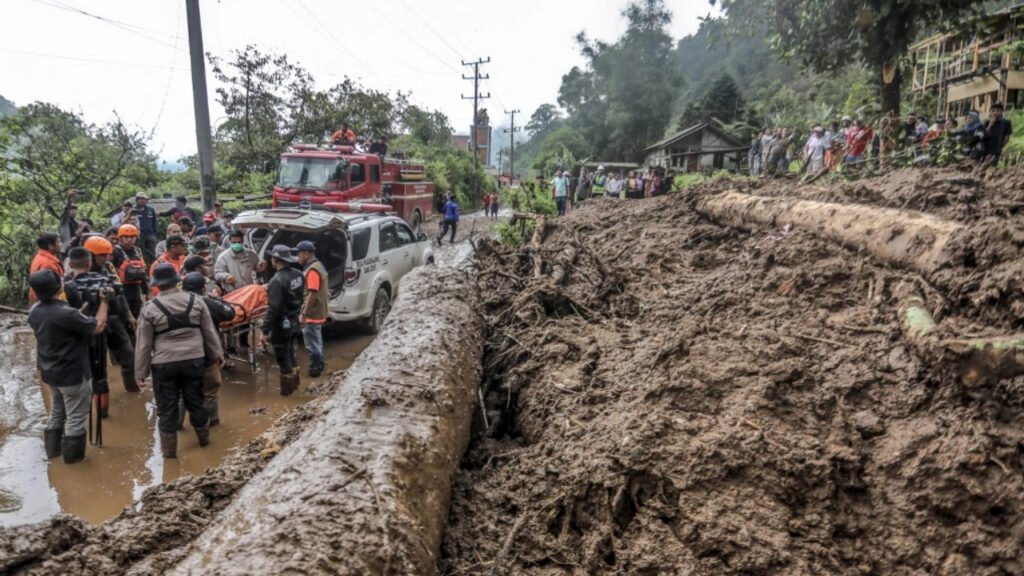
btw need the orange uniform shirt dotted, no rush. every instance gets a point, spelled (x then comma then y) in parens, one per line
(313, 282)
(165, 258)
(43, 260)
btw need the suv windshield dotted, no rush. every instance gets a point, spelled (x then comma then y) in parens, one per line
(318, 173)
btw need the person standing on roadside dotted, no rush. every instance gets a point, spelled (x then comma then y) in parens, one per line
(126, 212)
(63, 335)
(451, 219)
(495, 203)
(145, 215)
(814, 150)
(47, 258)
(314, 309)
(284, 303)
(176, 338)
(131, 268)
(561, 190)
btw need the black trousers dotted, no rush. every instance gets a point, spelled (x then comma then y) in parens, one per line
(453, 225)
(184, 380)
(284, 350)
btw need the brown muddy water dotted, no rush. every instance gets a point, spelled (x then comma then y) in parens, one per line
(115, 475)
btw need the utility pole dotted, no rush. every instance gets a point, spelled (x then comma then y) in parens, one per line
(476, 97)
(512, 146)
(201, 105)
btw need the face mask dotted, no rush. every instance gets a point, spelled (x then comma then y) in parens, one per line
(236, 247)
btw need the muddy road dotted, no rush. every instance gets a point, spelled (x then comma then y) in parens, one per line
(115, 475)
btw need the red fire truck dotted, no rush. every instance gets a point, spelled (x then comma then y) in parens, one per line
(337, 175)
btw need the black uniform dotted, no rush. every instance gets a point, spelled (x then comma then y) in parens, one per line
(284, 302)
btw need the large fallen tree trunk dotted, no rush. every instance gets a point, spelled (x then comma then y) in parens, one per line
(365, 489)
(912, 240)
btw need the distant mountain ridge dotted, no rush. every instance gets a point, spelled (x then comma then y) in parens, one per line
(7, 108)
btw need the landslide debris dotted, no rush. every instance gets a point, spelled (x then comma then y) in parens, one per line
(689, 398)
(150, 538)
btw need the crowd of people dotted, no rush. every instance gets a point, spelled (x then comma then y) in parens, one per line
(153, 309)
(569, 190)
(856, 144)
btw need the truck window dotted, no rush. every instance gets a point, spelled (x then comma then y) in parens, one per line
(360, 243)
(358, 172)
(374, 173)
(388, 237)
(405, 235)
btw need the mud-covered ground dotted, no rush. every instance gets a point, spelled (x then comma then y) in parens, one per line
(699, 400)
(148, 538)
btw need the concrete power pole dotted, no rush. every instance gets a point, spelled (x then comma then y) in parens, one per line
(476, 97)
(512, 146)
(201, 104)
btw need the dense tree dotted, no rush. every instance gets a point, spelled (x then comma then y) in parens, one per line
(828, 34)
(431, 128)
(722, 102)
(622, 100)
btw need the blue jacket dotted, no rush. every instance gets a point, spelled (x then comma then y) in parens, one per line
(147, 221)
(451, 211)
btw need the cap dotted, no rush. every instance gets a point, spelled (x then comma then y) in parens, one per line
(194, 282)
(141, 195)
(282, 253)
(200, 243)
(164, 275)
(600, 167)
(201, 231)
(217, 203)
(305, 246)
(847, 119)
(45, 283)
(228, 215)
(209, 217)
(215, 229)
(127, 202)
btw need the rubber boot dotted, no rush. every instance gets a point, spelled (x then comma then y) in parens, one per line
(287, 386)
(104, 400)
(169, 444)
(296, 378)
(204, 435)
(52, 441)
(213, 411)
(73, 448)
(128, 377)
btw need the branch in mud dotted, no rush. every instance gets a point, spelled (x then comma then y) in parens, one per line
(976, 360)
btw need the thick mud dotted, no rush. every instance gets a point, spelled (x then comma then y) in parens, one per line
(673, 396)
(116, 474)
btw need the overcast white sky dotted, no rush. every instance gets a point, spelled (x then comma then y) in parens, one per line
(139, 67)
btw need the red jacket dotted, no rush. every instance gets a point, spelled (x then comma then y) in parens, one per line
(43, 260)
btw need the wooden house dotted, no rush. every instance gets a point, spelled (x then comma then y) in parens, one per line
(974, 67)
(701, 148)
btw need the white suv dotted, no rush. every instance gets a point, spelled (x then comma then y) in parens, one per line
(365, 254)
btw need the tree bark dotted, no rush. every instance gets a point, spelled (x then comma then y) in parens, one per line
(890, 91)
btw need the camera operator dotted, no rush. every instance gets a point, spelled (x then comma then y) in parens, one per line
(63, 336)
(121, 324)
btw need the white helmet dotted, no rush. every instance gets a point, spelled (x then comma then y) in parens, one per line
(600, 168)
(566, 173)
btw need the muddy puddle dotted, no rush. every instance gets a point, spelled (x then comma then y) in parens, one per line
(115, 475)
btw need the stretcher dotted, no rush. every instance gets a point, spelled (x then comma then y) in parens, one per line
(250, 304)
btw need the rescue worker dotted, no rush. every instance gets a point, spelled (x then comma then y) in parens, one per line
(63, 335)
(47, 258)
(131, 268)
(120, 323)
(237, 266)
(177, 250)
(220, 312)
(176, 339)
(314, 309)
(284, 301)
(344, 136)
(600, 181)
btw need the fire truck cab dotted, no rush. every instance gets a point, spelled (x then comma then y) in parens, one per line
(331, 174)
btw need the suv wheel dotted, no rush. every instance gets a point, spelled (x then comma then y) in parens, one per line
(381, 307)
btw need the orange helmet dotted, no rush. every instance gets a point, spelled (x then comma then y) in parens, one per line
(99, 245)
(127, 230)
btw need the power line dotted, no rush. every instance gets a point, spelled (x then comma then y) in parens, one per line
(333, 38)
(170, 76)
(130, 28)
(433, 31)
(512, 146)
(412, 38)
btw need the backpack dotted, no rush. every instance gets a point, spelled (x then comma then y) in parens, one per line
(133, 271)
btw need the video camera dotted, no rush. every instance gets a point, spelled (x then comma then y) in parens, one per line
(86, 289)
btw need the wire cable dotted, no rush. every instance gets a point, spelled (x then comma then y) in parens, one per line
(130, 28)
(170, 75)
(83, 59)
